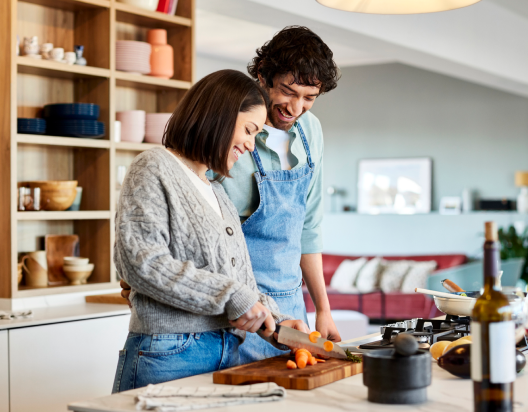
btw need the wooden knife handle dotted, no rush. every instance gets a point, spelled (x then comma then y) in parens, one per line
(451, 286)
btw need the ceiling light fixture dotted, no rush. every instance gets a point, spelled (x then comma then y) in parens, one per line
(396, 6)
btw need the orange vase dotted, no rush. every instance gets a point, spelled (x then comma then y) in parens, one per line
(161, 56)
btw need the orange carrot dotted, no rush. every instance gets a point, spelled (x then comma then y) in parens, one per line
(302, 352)
(314, 336)
(291, 365)
(320, 360)
(302, 361)
(328, 346)
(312, 361)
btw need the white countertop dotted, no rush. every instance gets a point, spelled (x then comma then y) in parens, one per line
(447, 393)
(67, 313)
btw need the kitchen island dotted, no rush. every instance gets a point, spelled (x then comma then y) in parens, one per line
(446, 394)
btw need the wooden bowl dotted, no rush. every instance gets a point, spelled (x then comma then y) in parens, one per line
(77, 275)
(55, 195)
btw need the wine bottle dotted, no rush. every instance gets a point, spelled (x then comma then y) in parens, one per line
(493, 333)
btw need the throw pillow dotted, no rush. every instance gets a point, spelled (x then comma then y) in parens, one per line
(368, 277)
(392, 274)
(417, 276)
(345, 275)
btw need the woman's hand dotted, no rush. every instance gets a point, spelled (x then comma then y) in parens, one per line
(125, 291)
(254, 318)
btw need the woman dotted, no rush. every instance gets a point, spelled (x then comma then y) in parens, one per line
(179, 243)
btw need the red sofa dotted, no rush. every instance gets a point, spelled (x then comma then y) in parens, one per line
(379, 305)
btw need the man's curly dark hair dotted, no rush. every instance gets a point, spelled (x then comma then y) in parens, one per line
(301, 52)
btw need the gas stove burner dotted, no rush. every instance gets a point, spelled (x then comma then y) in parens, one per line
(421, 337)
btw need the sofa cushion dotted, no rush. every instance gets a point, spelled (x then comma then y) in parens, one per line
(332, 262)
(368, 277)
(417, 276)
(346, 274)
(392, 274)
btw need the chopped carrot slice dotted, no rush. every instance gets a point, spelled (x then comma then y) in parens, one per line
(302, 361)
(291, 365)
(312, 361)
(320, 360)
(328, 346)
(314, 336)
(302, 352)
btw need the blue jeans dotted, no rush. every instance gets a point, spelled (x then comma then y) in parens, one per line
(148, 359)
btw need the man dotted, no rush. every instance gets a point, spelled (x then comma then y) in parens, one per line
(278, 188)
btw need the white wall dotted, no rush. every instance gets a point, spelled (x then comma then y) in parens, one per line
(207, 64)
(476, 136)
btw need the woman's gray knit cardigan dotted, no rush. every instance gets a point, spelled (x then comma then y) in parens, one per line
(189, 269)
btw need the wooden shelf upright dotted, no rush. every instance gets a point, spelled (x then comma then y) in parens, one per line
(26, 85)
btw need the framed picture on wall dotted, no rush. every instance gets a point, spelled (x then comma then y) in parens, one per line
(401, 186)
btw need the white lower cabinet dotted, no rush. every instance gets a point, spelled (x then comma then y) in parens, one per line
(53, 365)
(4, 372)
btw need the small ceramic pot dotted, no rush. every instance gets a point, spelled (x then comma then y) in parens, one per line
(161, 56)
(45, 50)
(57, 54)
(70, 57)
(79, 50)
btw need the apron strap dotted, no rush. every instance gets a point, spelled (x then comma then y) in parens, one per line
(305, 144)
(256, 158)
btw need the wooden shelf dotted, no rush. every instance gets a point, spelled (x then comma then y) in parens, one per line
(125, 79)
(136, 147)
(28, 65)
(66, 215)
(71, 5)
(153, 19)
(24, 292)
(62, 141)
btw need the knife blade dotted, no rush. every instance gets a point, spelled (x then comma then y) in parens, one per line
(297, 339)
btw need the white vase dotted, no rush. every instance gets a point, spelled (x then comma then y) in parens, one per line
(522, 200)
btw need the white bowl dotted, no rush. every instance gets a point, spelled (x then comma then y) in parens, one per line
(456, 307)
(75, 261)
(151, 5)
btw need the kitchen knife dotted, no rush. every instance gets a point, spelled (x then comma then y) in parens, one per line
(297, 339)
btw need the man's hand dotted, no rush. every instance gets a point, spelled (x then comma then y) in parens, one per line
(254, 318)
(326, 326)
(125, 291)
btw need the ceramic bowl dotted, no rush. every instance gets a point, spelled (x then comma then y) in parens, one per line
(75, 261)
(77, 275)
(55, 195)
(151, 5)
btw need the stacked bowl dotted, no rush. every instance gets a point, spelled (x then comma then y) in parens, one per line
(73, 119)
(31, 126)
(155, 126)
(133, 56)
(132, 125)
(77, 269)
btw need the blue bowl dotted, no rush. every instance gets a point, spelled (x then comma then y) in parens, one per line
(76, 128)
(31, 126)
(73, 111)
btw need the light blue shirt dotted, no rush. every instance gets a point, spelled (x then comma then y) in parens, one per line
(242, 188)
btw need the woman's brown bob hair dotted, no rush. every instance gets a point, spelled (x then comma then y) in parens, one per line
(202, 126)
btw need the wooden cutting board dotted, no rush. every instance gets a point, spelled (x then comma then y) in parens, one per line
(114, 298)
(274, 370)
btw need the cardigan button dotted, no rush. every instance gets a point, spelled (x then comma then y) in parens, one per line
(229, 231)
(233, 261)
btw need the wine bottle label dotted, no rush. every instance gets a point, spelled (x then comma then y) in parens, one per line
(476, 352)
(502, 352)
(501, 346)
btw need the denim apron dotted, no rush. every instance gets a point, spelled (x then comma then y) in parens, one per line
(273, 236)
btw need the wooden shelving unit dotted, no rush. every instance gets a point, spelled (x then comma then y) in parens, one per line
(26, 85)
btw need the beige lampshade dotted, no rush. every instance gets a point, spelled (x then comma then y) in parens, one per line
(521, 179)
(396, 6)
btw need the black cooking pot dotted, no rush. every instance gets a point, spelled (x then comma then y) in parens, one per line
(395, 379)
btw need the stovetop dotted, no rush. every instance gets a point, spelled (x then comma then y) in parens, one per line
(428, 332)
